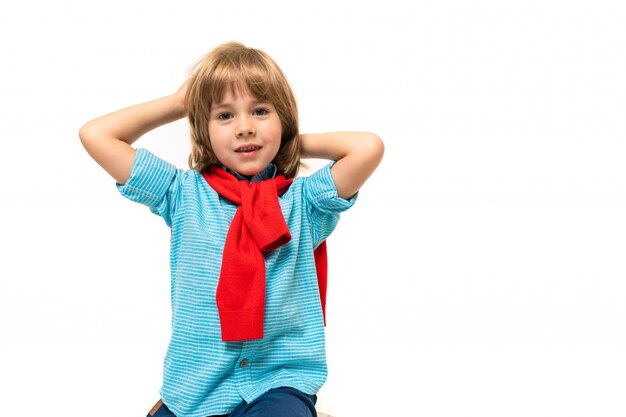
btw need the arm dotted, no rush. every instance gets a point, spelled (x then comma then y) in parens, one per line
(357, 154)
(108, 138)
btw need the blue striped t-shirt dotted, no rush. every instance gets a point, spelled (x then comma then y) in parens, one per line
(203, 376)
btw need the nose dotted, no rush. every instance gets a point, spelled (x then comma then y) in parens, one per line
(245, 127)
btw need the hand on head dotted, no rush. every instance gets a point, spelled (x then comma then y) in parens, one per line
(181, 95)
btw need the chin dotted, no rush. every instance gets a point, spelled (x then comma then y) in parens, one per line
(248, 172)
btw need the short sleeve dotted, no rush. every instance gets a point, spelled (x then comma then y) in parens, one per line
(325, 205)
(154, 183)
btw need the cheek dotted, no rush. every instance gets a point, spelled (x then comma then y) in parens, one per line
(279, 134)
(216, 134)
(278, 131)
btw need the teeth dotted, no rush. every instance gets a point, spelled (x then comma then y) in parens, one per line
(247, 149)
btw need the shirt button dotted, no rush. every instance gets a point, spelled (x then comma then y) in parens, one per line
(243, 363)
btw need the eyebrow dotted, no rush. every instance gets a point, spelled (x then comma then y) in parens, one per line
(219, 106)
(223, 105)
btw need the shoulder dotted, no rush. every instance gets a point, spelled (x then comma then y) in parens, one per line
(321, 177)
(145, 160)
(156, 177)
(319, 190)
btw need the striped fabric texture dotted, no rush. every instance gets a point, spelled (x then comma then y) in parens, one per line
(203, 376)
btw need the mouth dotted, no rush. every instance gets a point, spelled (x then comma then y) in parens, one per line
(248, 148)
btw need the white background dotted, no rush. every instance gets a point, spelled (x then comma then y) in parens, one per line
(481, 272)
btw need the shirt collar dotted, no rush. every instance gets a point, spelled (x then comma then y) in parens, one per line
(265, 174)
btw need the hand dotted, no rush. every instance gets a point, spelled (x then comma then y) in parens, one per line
(181, 96)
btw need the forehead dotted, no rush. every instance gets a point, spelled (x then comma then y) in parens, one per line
(238, 82)
(233, 98)
(230, 95)
(220, 89)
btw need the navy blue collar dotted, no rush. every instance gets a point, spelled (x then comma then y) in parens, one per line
(265, 174)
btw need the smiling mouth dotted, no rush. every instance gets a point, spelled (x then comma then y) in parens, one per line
(248, 148)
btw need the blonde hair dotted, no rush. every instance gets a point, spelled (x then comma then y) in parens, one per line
(236, 68)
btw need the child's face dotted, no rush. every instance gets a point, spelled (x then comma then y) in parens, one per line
(245, 133)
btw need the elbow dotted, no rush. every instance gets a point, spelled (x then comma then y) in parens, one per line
(378, 145)
(89, 135)
(85, 133)
(375, 147)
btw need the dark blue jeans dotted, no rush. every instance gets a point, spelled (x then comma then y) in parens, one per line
(283, 402)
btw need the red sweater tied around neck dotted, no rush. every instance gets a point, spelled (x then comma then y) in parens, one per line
(258, 227)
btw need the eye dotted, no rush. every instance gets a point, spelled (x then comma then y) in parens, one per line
(260, 111)
(224, 116)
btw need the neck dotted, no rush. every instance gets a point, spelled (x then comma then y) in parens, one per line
(268, 172)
